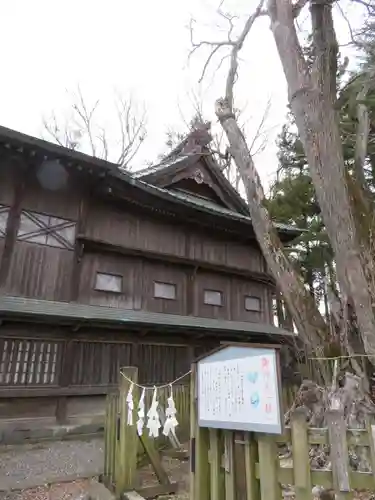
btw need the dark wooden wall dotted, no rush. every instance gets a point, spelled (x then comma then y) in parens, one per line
(44, 259)
(139, 276)
(52, 244)
(53, 372)
(127, 229)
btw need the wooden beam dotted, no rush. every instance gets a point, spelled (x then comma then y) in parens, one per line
(41, 392)
(78, 248)
(28, 330)
(96, 245)
(20, 179)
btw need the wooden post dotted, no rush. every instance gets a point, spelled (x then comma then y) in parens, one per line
(199, 445)
(230, 485)
(339, 453)
(65, 379)
(126, 468)
(300, 450)
(22, 175)
(216, 471)
(110, 443)
(251, 458)
(370, 426)
(270, 488)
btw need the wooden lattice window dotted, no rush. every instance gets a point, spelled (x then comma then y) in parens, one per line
(29, 362)
(46, 230)
(213, 298)
(4, 213)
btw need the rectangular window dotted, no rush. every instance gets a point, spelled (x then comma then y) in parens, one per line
(213, 298)
(252, 303)
(4, 212)
(108, 282)
(46, 230)
(164, 290)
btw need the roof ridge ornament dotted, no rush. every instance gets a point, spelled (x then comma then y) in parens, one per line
(199, 137)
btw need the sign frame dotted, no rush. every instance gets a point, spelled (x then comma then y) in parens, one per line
(228, 352)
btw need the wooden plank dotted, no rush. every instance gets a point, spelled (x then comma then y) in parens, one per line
(103, 246)
(229, 475)
(251, 458)
(301, 461)
(21, 178)
(155, 459)
(193, 426)
(112, 440)
(339, 453)
(53, 390)
(79, 248)
(216, 472)
(358, 480)
(199, 483)
(269, 466)
(370, 427)
(126, 467)
(107, 434)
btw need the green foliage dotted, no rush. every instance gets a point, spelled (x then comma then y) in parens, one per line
(292, 198)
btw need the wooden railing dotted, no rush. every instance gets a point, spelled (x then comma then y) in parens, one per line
(250, 462)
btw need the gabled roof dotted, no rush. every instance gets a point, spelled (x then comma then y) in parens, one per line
(178, 165)
(32, 147)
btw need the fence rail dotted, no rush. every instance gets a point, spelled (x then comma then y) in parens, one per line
(245, 465)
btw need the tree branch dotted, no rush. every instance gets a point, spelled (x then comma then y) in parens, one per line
(80, 130)
(235, 45)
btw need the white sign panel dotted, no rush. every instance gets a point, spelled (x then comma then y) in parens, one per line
(238, 389)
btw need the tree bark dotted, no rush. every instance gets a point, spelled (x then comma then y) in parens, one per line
(312, 95)
(308, 320)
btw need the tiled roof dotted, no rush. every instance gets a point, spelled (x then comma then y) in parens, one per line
(19, 306)
(209, 206)
(17, 139)
(160, 166)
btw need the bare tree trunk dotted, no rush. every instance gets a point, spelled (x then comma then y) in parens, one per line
(312, 96)
(308, 320)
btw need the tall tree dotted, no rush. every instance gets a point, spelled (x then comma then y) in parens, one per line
(343, 200)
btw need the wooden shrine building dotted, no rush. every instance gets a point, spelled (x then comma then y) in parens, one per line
(100, 269)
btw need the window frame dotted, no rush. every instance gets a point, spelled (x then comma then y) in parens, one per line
(113, 275)
(252, 309)
(169, 284)
(220, 292)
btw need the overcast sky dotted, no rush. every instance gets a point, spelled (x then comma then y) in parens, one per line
(137, 46)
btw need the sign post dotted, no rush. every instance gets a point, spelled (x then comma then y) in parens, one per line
(238, 388)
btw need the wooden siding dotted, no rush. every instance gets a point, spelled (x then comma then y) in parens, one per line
(45, 261)
(62, 203)
(35, 357)
(125, 229)
(129, 268)
(7, 183)
(39, 271)
(135, 231)
(139, 276)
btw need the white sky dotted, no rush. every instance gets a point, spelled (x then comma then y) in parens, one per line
(138, 46)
